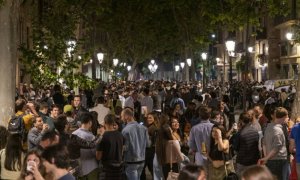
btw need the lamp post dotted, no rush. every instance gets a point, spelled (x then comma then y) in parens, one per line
(115, 63)
(230, 46)
(177, 68)
(152, 66)
(204, 57)
(100, 57)
(189, 63)
(182, 64)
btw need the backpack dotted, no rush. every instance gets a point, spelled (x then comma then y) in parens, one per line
(16, 125)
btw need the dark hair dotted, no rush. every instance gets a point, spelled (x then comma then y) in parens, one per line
(13, 153)
(100, 100)
(257, 172)
(3, 136)
(215, 113)
(204, 112)
(77, 96)
(190, 172)
(281, 112)
(57, 155)
(43, 105)
(245, 118)
(19, 105)
(51, 135)
(60, 123)
(54, 106)
(110, 119)
(95, 122)
(86, 117)
(41, 167)
(35, 118)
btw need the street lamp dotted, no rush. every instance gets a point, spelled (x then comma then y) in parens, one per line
(152, 66)
(250, 49)
(289, 36)
(230, 46)
(182, 64)
(128, 68)
(115, 62)
(204, 57)
(71, 46)
(189, 62)
(100, 57)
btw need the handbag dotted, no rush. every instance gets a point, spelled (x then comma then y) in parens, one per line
(172, 175)
(231, 175)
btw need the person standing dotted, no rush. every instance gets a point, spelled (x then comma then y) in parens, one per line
(101, 110)
(136, 141)
(35, 134)
(295, 145)
(274, 145)
(109, 150)
(199, 140)
(89, 165)
(247, 143)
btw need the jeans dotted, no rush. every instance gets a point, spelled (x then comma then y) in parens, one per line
(157, 169)
(278, 168)
(134, 171)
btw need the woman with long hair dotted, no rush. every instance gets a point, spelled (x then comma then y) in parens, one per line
(168, 149)
(219, 153)
(33, 168)
(12, 157)
(152, 125)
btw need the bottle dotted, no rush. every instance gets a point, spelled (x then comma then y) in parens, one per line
(203, 148)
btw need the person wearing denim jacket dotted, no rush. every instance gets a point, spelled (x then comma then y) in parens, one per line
(136, 140)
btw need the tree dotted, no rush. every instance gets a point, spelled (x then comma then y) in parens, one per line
(9, 14)
(54, 44)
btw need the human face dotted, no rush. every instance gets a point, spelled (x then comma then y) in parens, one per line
(123, 117)
(175, 124)
(33, 157)
(214, 132)
(76, 102)
(39, 123)
(55, 112)
(150, 119)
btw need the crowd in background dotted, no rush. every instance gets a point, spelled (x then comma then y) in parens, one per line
(124, 130)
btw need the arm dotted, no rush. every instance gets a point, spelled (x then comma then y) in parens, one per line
(292, 147)
(34, 138)
(75, 140)
(178, 153)
(223, 145)
(99, 155)
(191, 141)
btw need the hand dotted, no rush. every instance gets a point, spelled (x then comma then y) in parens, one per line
(45, 127)
(36, 173)
(29, 177)
(262, 161)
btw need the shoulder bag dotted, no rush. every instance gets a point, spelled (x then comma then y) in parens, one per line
(172, 175)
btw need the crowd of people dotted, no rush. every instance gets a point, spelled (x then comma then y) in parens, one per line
(150, 129)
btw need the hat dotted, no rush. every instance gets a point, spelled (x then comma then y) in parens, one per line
(68, 108)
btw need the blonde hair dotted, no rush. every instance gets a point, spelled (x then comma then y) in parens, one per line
(257, 172)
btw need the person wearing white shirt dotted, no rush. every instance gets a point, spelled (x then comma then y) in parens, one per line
(100, 109)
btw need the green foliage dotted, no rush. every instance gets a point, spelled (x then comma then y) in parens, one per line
(52, 29)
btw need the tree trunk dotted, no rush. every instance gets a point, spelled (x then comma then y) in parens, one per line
(295, 107)
(132, 74)
(9, 14)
